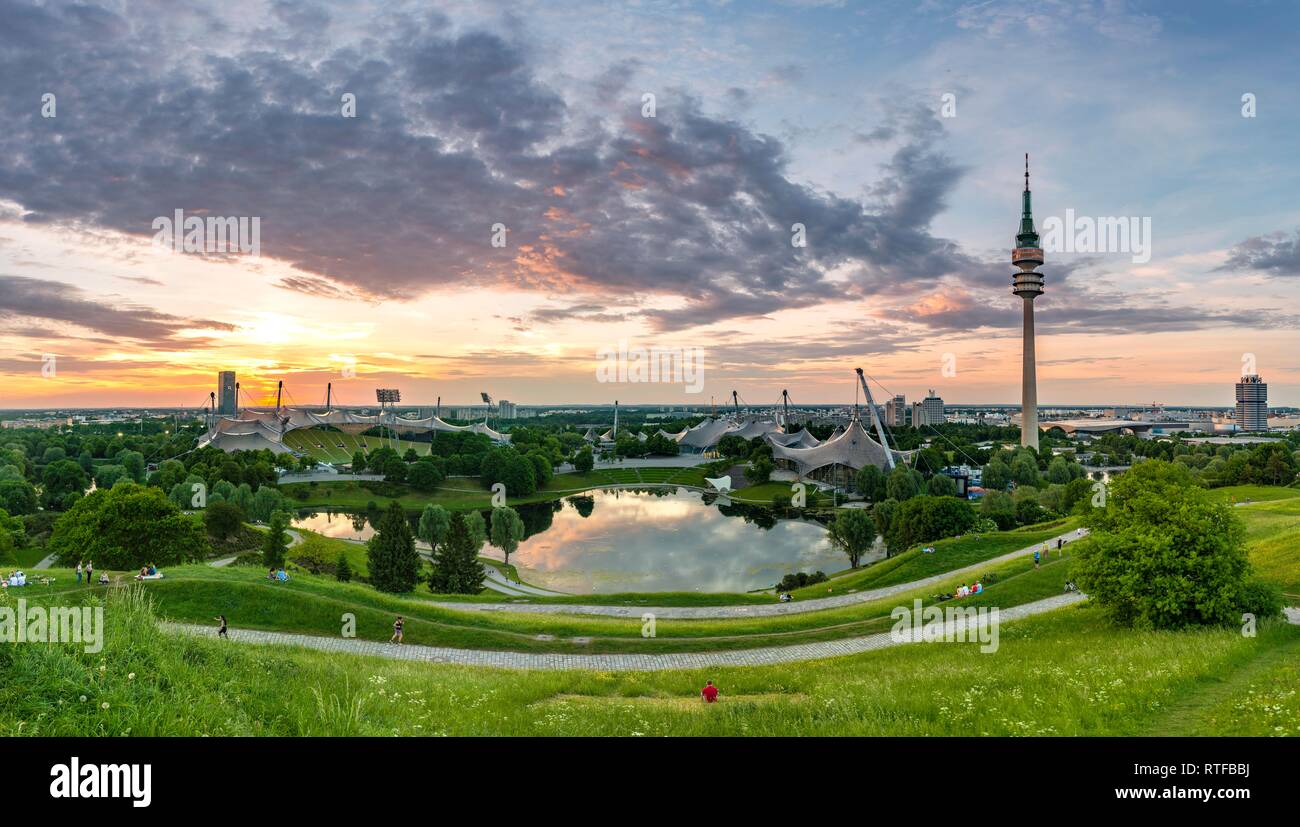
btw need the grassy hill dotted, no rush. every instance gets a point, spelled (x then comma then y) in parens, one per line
(1065, 673)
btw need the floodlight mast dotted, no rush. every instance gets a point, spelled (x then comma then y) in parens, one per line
(875, 420)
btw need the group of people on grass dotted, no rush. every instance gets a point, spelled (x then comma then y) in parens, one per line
(277, 575)
(149, 572)
(967, 591)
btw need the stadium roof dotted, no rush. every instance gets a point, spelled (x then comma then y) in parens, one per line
(853, 448)
(264, 428)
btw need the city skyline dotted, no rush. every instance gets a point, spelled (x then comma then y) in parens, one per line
(882, 131)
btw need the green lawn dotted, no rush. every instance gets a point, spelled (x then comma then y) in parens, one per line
(315, 605)
(1064, 673)
(1273, 542)
(950, 554)
(1255, 493)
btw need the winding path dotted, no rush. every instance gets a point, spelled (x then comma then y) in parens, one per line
(619, 662)
(759, 610)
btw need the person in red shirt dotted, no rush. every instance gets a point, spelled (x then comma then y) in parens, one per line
(709, 693)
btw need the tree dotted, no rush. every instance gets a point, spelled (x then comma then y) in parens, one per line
(996, 475)
(507, 530)
(1163, 553)
(393, 562)
(60, 479)
(266, 502)
(358, 462)
(852, 532)
(424, 475)
(1024, 469)
(276, 543)
(999, 507)
(17, 496)
(882, 514)
(456, 569)
(435, 523)
(126, 527)
(477, 528)
(222, 520)
(871, 483)
(584, 461)
(133, 462)
(507, 466)
(903, 483)
(1058, 471)
(923, 519)
(759, 471)
(941, 485)
(342, 571)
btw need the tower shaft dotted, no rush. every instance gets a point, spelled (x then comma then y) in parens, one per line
(1029, 382)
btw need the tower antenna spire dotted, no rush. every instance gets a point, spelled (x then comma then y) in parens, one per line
(1026, 172)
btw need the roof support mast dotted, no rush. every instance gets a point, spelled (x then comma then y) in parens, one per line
(875, 420)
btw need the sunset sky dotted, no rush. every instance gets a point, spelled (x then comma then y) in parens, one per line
(671, 230)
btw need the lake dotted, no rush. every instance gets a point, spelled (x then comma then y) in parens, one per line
(648, 540)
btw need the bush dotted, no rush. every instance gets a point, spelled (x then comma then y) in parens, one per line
(799, 579)
(1263, 600)
(1164, 554)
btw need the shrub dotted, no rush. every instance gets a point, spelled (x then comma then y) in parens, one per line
(1164, 554)
(799, 579)
(1263, 600)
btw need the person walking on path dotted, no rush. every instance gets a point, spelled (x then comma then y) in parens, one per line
(221, 630)
(78, 572)
(397, 631)
(1036, 558)
(90, 571)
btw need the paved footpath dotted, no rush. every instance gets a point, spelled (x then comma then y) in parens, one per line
(618, 663)
(762, 609)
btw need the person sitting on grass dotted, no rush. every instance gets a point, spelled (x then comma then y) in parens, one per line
(282, 576)
(270, 575)
(709, 694)
(103, 578)
(979, 587)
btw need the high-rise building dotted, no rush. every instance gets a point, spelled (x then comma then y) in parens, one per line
(1252, 404)
(896, 411)
(1028, 285)
(227, 403)
(933, 407)
(507, 409)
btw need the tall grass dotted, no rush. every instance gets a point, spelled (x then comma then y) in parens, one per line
(1064, 673)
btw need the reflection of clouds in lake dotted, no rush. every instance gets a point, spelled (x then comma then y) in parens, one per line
(640, 542)
(338, 525)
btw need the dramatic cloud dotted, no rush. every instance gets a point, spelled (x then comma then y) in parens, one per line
(455, 133)
(1276, 254)
(37, 299)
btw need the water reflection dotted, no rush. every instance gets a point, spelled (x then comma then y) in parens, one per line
(647, 540)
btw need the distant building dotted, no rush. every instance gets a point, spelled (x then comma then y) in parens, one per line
(1252, 404)
(507, 409)
(227, 403)
(896, 411)
(929, 411)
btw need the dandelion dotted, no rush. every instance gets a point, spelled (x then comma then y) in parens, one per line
(131, 676)
(83, 699)
(104, 705)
